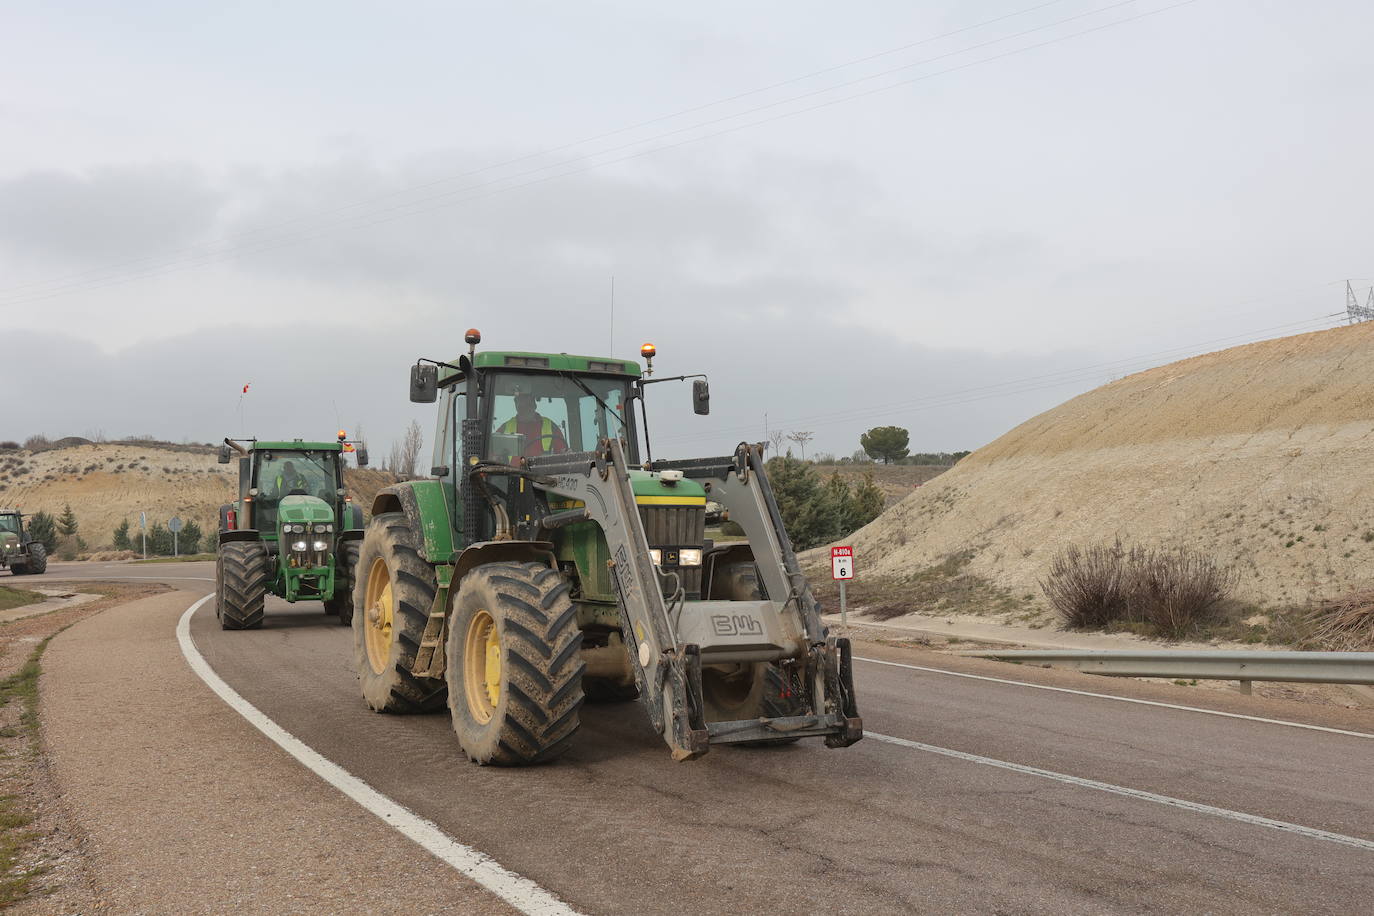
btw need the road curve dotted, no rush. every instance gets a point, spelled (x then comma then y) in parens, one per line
(990, 798)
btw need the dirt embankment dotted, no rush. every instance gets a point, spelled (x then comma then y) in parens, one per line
(1257, 455)
(106, 483)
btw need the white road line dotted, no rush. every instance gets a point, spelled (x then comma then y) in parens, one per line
(518, 891)
(1108, 696)
(1139, 794)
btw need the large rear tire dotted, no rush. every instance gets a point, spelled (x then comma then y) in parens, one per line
(514, 664)
(345, 576)
(38, 559)
(394, 590)
(240, 584)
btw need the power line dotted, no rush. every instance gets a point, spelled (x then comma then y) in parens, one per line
(416, 208)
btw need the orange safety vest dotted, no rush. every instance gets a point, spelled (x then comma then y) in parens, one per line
(512, 427)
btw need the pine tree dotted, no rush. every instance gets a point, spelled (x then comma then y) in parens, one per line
(66, 522)
(188, 541)
(121, 536)
(43, 529)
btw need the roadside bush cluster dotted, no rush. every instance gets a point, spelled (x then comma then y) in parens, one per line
(1171, 590)
(816, 511)
(160, 540)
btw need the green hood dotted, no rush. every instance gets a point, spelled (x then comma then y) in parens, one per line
(303, 510)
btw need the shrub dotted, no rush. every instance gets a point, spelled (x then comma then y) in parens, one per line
(1174, 589)
(1171, 590)
(1087, 586)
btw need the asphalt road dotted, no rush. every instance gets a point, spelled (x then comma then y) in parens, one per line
(881, 827)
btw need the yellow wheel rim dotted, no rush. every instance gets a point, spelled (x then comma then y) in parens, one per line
(379, 607)
(482, 666)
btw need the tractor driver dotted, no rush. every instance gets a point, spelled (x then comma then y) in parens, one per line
(289, 479)
(542, 435)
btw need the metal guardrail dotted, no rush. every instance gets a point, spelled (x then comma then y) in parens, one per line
(1243, 666)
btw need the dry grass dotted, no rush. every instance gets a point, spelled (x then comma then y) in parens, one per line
(1346, 623)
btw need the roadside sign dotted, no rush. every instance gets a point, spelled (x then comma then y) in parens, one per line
(841, 562)
(174, 523)
(143, 519)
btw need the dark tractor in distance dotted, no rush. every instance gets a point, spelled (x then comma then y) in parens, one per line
(19, 552)
(292, 532)
(552, 560)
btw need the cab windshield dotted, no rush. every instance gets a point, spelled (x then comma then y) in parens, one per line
(9, 523)
(299, 473)
(547, 414)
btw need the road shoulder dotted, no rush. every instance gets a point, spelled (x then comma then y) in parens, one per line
(185, 808)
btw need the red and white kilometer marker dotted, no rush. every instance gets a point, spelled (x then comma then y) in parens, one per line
(842, 570)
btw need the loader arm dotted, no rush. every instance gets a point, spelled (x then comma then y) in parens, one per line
(668, 641)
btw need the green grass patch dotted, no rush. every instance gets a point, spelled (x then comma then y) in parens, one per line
(18, 597)
(185, 558)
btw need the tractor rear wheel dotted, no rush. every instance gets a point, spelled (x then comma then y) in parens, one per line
(514, 664)
(340, 604)
(393, 592)
(240, 584)
(38, 559)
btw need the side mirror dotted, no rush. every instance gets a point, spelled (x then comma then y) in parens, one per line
(223, 457)
(424, 384)
(361, 453)
(701, 396)
(439, 470)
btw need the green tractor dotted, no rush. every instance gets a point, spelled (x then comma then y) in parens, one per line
(552, 560)
(293, 532)
(21, 553)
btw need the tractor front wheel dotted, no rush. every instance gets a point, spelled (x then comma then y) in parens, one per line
(340, 604)
(393, 592)
(240, 584)
(514, 664)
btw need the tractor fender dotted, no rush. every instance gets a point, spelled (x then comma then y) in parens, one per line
(484, 552)
(242, 534)
(426, 510)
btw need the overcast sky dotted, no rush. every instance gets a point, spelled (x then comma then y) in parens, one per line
(945, 216)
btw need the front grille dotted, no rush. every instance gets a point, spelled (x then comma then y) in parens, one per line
(676, 526)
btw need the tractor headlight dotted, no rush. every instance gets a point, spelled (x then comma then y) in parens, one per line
(321, 545)
(656, 555)
(325, 528)
(299, 546)
(689, 556)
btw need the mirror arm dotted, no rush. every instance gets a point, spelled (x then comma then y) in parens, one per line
(669, 378)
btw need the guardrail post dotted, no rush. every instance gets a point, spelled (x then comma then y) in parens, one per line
(1245, 688)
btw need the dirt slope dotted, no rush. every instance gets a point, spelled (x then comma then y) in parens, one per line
(106, 483)
(1259, 454)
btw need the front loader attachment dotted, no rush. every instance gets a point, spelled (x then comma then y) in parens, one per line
(671, 640)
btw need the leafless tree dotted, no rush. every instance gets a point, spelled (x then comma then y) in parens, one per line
(801, 438)
(405, 453)
(775, 439)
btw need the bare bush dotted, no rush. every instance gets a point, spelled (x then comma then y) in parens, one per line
(1087, 586)
(1346, 623)
(1173, 590)
(37, 443)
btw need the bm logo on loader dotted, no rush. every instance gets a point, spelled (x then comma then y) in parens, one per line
(735, 625)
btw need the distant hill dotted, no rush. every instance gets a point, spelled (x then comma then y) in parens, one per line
(106, 483)
(1259, 455)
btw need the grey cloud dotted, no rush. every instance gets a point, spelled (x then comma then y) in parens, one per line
(108, 213)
